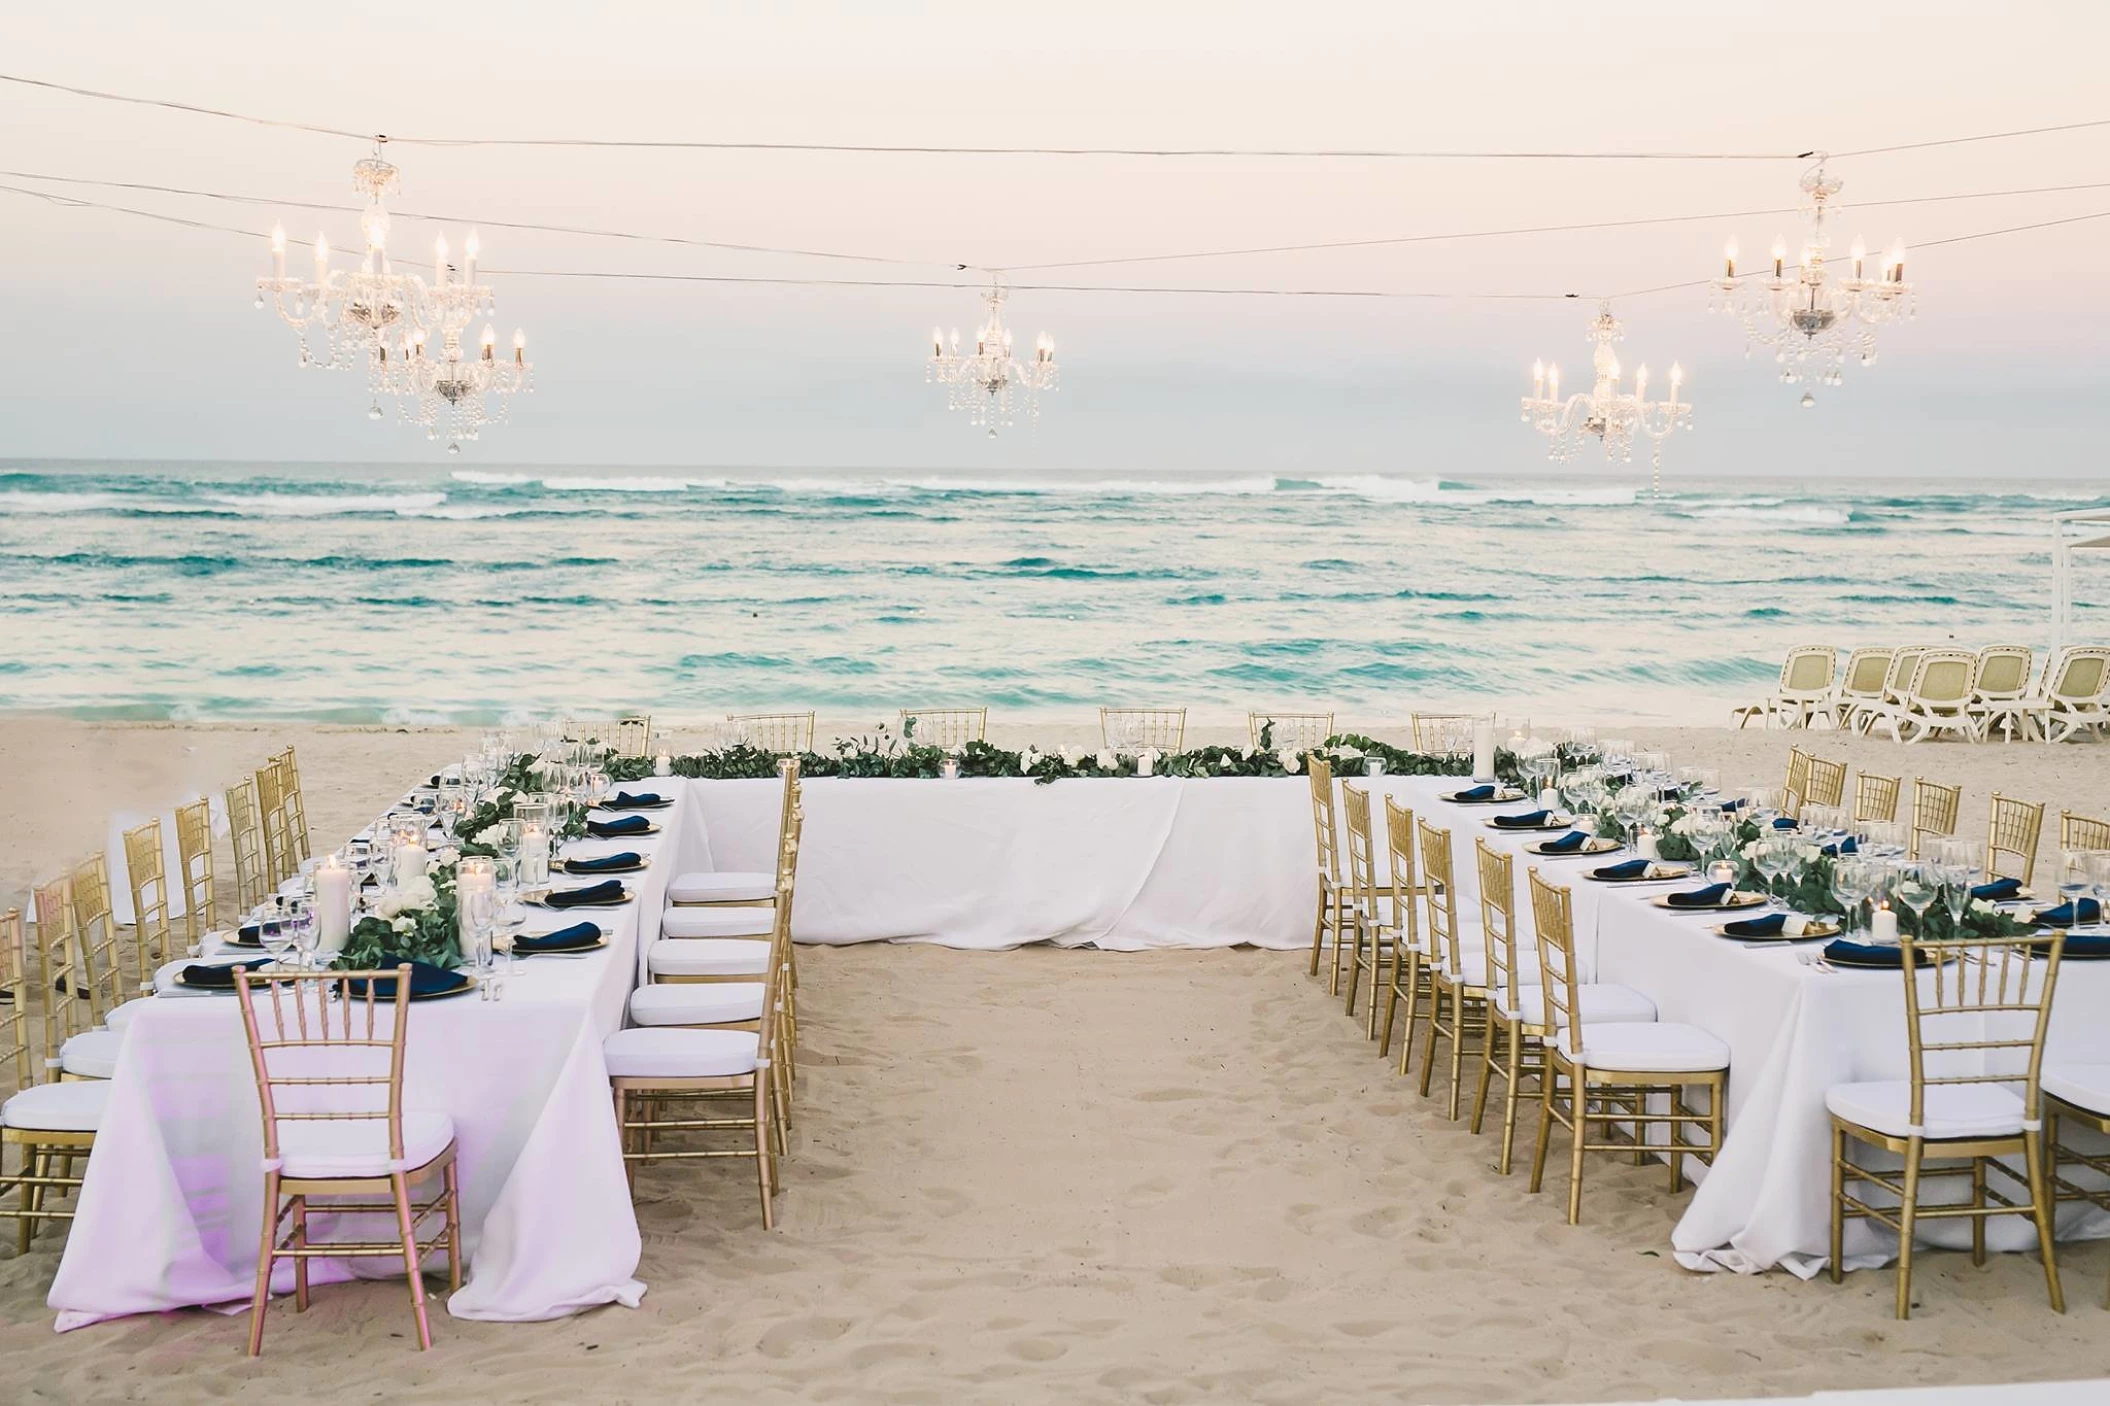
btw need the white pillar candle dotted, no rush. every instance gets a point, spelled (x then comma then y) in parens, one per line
(1549, 798)
(1883, 925)
(407, 860)
(534, 855)
(663, 765)
(333, 904)
(949, 769)
(1484, 750)
(1373, 766)
(1647, 845)
(1146, 763)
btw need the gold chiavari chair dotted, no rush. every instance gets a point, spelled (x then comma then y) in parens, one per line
(1796, 788)
(246, 833)
(1876, 797)
(2012, 830)
(776, 732)
(1367, 937)
(1827, 783)
(633, 735)
(1162, 728)
(279, 864)
(1976, 1010)
(1443, 734)
(201, 904)
(653, 1069)
(1302, 731)
(737, 888)
(1457, 981)
(148, 881)
(1934, 808)
(51, 1123)
(92, 1052)
(950, 728)
(1333, 892)
(58, 957)
(295, 807)
(2082, 832)
(1408, 977)
(1613, 1069)
(327, 1051)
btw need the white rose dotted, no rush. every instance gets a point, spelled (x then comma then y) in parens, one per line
(405, 925)
(1107, 760)
(1246, 751)
(1808, 853)
(447, 856)
(1979, 905)
(1351, 753)
(1225, 763)
(1027, 760)
(1072, 754)
(1290, 759)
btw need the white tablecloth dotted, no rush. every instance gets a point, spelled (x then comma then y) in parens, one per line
(172, 1209)
(1793, 1031)
(996, 862)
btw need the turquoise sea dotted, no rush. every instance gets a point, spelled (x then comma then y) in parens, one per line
(364, 593)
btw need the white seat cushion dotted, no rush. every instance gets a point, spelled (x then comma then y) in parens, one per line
(697, 1003)
(92, 1054)
(681, 1054)
(1473, 969)
(1647, 1048)
(729, 886)
(359, 1147)
(2082, 1085)
(1600, 1001)
(718, 922)
(708, 956)
(1952, 1110)
(57, 1108)
(118, 1019)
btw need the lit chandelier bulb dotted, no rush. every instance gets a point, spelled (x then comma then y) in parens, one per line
(1896, 260)
(1860, 256)
(322, 259)
(1553, 382)
(519, 346)
(1729, 259)
(1641, 382)
(469, 252)
(937, 341)
(490, 341)
(1780, 255)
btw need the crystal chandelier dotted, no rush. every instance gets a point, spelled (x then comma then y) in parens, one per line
(1604, 412)
(989, 382)
(1812, 318)
(374, 316)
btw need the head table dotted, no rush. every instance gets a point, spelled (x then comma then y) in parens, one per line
(171, 1209)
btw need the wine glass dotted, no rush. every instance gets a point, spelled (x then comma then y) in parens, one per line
(1773, 859)
(1853, 884)
(272, 932)
(1915, 887)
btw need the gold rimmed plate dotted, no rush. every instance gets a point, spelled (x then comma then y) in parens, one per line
(178, 983)
(541, 900)
(644, 861)
(1819, 930)
(1656, 873)
(650, 829)
(1594, 845)
(593, 944)
(1735, 902)
(463, 983)
(1551, 822)
(1499, 798)
(661, 804)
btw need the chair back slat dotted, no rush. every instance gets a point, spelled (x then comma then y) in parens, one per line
(246, 828)
(295, 807)
(1826, 785)
(633, 735)
(1876, 797)
(1362, 856)
(1553, 917)
(1444, 734)
(1976, 1010)
(201, 905)
(1301, 731)
(147, 878)
(1796, 786)
(776, 732)
(95, 936)
(1934, 808)
(58, 957)
(1404, 882)
(279, 863)
(2012, 831)
(2082, 832)
(1498, 918)
(324, 1047)
(14, 1015)
(1325, 828)
(1440, 895)
(950, 728)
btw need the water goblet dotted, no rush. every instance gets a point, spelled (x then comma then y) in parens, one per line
(1852, 884)
(272, 932)
(1915, 886)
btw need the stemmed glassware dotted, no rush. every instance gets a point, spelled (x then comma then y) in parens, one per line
(1915, 886)
(1774, 859)
(1853, 883)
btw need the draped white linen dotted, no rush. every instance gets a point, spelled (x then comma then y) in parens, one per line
(172, 1209)
(1793, 1031)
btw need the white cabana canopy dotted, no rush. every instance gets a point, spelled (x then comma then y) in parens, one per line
(2082, 531)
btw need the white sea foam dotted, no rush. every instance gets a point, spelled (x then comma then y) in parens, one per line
(1807, 514)
(323, 504)
(490, 478)
(1097, 487)
(579, 483)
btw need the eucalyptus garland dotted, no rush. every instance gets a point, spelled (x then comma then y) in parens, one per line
(416, 920)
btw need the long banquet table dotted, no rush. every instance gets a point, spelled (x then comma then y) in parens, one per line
(172, 1208)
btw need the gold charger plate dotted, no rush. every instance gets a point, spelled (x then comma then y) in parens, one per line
(1736, 902)
(650, 829)
(227, 990)
(1656, 873)
(644, 861)
(581, 950)
(1819, 930)
(541, 900)
(467, 980)
(1499, 798)
(1564, 823)
(1596, 844)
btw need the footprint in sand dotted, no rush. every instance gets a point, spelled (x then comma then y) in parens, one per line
(788, 1338)
(1037, 1350)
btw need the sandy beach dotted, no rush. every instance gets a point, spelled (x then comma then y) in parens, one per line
(1074, 1175)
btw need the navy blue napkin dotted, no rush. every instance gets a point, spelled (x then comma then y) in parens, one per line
(610, 829)
(425, 979)
(625, 801)
(605, 892)
(628, 859)
(2088, 946)
(1997, 890)
(2063, 916)
(571, 939)
(1738, 804)
(1529, 820)
(1783, 822)
(1768, 926)
(1631, 869)
(219, 976)
(1699, 898)
(1570, 843)
(1476, 793)
(1862, 954)
(1849, 845)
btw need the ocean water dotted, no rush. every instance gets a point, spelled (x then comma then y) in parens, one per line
(365, 593)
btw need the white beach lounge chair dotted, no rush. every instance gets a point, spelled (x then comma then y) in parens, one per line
(2002, 680)
(1860, 684)
(1896, 680)
(1937, 700)
(1805, 693)
(2075, 697)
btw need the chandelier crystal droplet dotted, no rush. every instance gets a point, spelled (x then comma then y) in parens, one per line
(1605, 412)
(1812, 318)
(407, 332)
(990, 383)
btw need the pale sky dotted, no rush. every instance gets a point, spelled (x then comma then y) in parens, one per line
(133, 339)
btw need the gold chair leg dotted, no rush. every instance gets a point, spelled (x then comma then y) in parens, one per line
(1428, 1049)
(1978, 1203)
(1487, 1070)
(1509, 1103)
(2040, 1194)
(1907, 1211)
(765, 1174)
(1838, 1270)
(454, 1227)
(1355, 967)
(1457, 1051)
(1538, 1152)
(300, 1262)
(1318, 930)
(401, 1184)
(1578, 1103)
(263, 1266)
